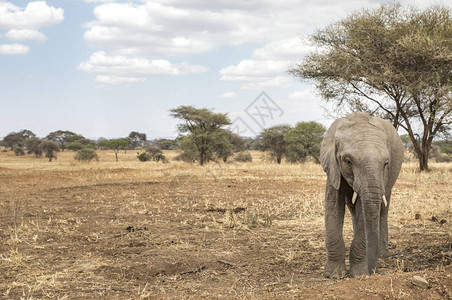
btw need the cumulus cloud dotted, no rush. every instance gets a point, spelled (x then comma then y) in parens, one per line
(267, 67)
(175, 28)
(228, 95)
(24, 23)
(35, 15)
(25, 34)
(99, 1)
(115, 80)
(13, 49)
(178, 27)
(301, 95)
(118, 69)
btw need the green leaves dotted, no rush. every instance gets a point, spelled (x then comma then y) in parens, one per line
(393, 62)
(206, 139)
(305, 139)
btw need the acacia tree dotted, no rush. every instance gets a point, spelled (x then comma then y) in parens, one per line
(49, 148)
(32, 145)
(204, 128)
(61, 137)
(17, 139)
(392, 62)
(115, 144)
(304, 140)
(272, 139)
(137, 139)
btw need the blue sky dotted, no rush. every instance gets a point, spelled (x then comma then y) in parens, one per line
(106, 68)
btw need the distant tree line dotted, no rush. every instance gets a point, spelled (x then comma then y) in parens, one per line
(203, 137)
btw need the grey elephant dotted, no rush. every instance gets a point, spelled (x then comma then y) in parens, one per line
(362, 156)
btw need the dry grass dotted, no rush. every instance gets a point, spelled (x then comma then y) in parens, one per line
(133, 230)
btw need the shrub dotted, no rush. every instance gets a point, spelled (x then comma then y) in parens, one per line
(49, 148)
(19, 151)
(143, 156)
(86, 154)
(156, 154)
(444, 158)
(243, 157)
(74, 146)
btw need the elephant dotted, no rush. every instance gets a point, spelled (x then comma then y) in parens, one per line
(362, 156)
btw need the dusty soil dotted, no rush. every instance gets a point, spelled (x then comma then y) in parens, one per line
(132, 230)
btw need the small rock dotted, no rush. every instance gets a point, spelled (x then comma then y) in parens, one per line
(417, 216)
(434, 219)
(419, 281)
(442, 221)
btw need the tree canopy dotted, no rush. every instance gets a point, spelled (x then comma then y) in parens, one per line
(272, 139)
(204, 130)
(61, 137)
(115, 144)
(393, 62)
(137, 139)
(17, 139)
(304, 140)
(49, 147)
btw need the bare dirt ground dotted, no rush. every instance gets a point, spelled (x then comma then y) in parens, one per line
(132, 230)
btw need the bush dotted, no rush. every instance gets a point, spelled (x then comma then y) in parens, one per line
(187, 156)
(444, 158)
(74, 146)
(152, 153)
(49, 148)
(143, 156)
(243, 157)
(86, 154)
(19, 151)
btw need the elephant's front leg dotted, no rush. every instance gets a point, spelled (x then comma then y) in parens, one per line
(383, 245)
(358, 258)
(334, 241)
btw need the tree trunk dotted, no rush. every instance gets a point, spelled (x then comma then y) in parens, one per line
(201, 158)
(423, 158)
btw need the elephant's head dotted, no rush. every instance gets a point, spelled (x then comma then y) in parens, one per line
(367, 153)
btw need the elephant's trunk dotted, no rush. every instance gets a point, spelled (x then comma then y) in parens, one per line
(371, 198)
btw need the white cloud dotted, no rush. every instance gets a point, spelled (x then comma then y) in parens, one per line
(24, 23)
(115, 80)
(25, 34)
(187, 68)
(175, 28)
(35, 15)
(13, 49)
(118, 69)
(278, 82)
(228, 95)
(268, 66)
(301, 95)
(99, 1)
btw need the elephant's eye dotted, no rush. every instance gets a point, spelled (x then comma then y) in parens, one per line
(348, 161)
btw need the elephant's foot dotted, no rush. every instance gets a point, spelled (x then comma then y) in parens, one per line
(334, 269)
(358, 269)
(384, 252)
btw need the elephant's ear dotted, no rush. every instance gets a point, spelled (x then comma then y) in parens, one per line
(328, 150)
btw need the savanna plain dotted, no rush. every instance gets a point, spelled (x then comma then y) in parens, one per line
(147, 230)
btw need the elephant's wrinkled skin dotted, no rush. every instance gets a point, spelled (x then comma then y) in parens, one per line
(363, 155)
